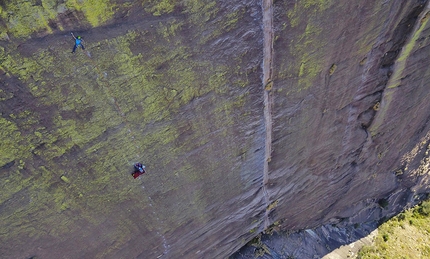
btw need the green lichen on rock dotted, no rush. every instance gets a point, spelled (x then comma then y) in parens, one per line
(397, 76)
(158, 8)
(310, 65)
(400, 64)
(23, 17)
(10, 135)
(159, 79)
(320, 5)
(201, 11)
(300, 7)
(16, 65)
(96, 12)
(307, 63)
(128, 98)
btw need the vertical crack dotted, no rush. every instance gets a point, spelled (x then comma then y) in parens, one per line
(268, 98)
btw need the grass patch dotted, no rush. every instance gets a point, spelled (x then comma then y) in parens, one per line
(406, 235)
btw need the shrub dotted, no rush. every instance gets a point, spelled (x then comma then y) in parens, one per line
(424, 209)
(385, 237)
(366, 252)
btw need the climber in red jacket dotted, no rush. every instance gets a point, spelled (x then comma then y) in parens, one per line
(139, 169)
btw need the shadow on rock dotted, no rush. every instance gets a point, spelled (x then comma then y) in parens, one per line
(304, 244)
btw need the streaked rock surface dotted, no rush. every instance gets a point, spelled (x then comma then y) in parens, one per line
(245, 113)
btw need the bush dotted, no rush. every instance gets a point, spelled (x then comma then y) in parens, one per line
(424, 209)
(385, 237)
(366, 252)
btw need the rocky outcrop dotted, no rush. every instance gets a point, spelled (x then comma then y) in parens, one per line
(310, 243)
(245, 113)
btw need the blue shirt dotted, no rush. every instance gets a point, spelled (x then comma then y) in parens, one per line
(78, 42)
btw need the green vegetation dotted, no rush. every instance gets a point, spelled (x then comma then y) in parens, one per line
(10, 135)
(308, 63)
(158, 8)
(22, 17)
(398, 73)
(201, 11)
(332, 69)
(95, 11)
(406, 235)
(321, 5)
(260, 248)
(294, 15)
(395, 80)
(147, 94)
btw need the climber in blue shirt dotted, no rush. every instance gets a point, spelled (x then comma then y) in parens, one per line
(78, 42)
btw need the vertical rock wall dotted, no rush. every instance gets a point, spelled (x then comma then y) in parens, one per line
(244, 112)
(173, 85)
(349, 103)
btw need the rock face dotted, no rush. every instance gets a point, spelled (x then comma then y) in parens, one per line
(245, 113)
(310, 243)
(347, 106)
